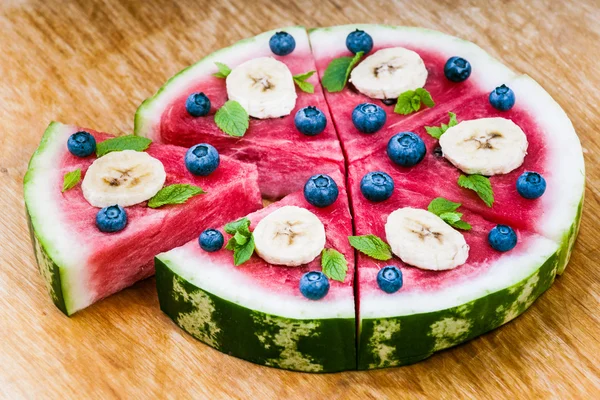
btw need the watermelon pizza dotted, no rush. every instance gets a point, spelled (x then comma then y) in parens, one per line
(420, 193)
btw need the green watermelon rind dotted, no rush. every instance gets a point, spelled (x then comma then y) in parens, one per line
(568, 242)
(308, 345)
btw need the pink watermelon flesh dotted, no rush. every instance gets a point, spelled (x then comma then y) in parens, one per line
(118, 260)
(285, 157)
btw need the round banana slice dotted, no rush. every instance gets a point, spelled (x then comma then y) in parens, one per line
(486, 146)
(264, 87)
(424, 240)
(123, 177)
(289, 236)
(389, 72)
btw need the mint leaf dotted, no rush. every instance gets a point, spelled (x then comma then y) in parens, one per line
(480, 185)
(240, 238)
(300, 80)
(437, 132)
(425, 97)
(174, 194)
(242, 253)
(128, 142)
(415, 102)
(242, 241)
(450, 217)
(71, 179)
(242, 224)
(440, 205)
(224, 70)
(232, 119)
(372, 246)
(334, 264)
(465, 226)
(337, 72)
(411, 101)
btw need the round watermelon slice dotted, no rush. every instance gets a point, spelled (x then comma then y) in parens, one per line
(255, 311)
(82, 265)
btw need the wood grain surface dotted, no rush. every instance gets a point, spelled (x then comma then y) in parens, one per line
(92, 62)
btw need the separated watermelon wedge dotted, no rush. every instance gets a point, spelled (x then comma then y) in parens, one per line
(256, 311)
(80, 264)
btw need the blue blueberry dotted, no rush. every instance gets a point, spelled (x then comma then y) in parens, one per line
(377, 186)
(531, 185)
(197, 104)
(321, 190)
(211, 240)
(282, 43)
(202, 159)
(368, 117)
(457, 69)
(310, 121)
(389, 279)
(314, 285)
(502, 238)
(406, 149)
(111, 219)
(81, 144)
(502, 98)
(359, 41)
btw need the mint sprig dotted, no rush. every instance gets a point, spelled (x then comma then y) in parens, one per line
(241, 242)
(337, 72)
(480, 185)
(71, 179)
(446, 210)
(334, 264)
(411, 101)
(233, 119)
(174, 194)
(128, 142)
(300, 80)
(372, 246)
(438, 131)
(224, 70)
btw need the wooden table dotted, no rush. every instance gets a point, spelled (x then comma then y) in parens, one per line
(91, 63)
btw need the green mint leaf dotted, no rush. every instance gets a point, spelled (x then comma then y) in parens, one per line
(451, 217)
(71, 179)
(174, 194)
(232, 119)
(453, 121)
(305, 86)
(404, 103)
(425, 97)
(337, 72)
(465, 226)
(242, 241)
(437, 132)
(480, 185)
(129, 142)
(440, 206)
(242, 224)
(224, 70)
(231, 244)
(434, 131)
(303, 77)
(415, 102)
(372, 246)
(243, 252)
(334, 264)
(240, 238)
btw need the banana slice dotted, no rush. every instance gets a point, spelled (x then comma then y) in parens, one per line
(123, 177)
(424, 240)
(289, 236)
(263, 86)
(389, 72)
(486, 146)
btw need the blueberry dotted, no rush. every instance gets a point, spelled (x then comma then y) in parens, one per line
(368, 117)
(282, 43)
(314, 285)
(531, 185)
(310, 121)
(202, 159)
(406, 149)
(81, 144)
(502, 98)
(377, 186)
(389, 279)
(321, 190)
(502, 238)
(437, 151)
(211, 240)
(197, 104)
(457, 69)
(111, 219)
(359, 41)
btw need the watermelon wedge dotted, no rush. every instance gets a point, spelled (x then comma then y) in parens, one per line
(255, 311)
(82, 265)
(285, 157)
(433, 47)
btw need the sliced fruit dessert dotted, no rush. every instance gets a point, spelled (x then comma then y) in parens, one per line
(431, 275)
(290, 135)
(284, 296)
(99, 210)
(377, 78)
